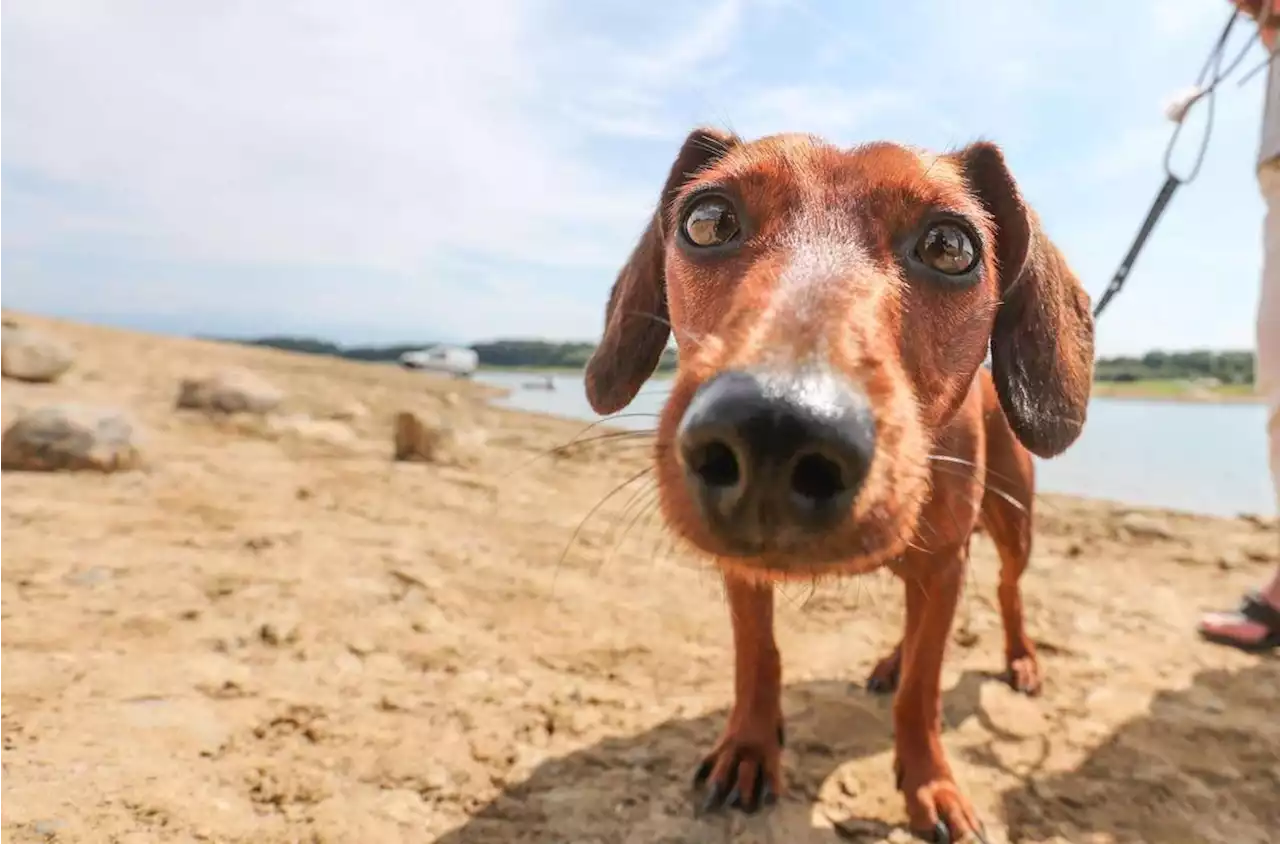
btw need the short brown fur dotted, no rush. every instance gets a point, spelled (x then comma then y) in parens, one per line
(819, 277)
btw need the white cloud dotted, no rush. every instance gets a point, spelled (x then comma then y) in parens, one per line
(392, 138)
(379, 135)
(299, 132)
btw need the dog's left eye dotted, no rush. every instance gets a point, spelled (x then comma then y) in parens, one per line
(710, 221)
(947, 248)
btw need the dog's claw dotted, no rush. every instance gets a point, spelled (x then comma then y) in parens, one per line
(734, 800)
(715, 796)
(883, 679)
(782, 736)
(941, 834)
(741, 774)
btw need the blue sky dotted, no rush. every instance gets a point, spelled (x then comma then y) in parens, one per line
(408, 171)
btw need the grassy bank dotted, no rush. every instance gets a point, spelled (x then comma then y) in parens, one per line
(533, 370)
(1153, 389)
(1175, 390)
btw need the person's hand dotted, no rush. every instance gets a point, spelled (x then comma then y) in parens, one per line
(1266, 13)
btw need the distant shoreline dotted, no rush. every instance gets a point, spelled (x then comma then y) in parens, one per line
(1177, 391)
(1152, 390)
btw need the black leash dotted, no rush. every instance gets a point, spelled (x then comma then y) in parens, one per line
(1172, 180)
(1170, 186)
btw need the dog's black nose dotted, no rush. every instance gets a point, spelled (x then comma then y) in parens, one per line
(773, 458)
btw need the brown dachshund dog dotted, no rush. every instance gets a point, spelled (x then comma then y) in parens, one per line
(831, 414)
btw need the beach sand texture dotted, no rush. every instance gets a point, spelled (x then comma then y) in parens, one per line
(274, 633)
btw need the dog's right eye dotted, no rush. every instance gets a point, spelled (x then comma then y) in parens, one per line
(710, 221)
(947, 248)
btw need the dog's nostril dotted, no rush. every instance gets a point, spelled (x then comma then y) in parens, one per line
(817, 478)
(716, 465)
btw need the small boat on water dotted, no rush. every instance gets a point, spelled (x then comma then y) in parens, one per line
(547, 383)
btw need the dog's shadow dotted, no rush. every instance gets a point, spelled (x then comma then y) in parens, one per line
(638, 788)
(1201, 764)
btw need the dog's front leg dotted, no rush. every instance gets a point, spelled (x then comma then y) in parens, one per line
(935, 806)
(744, 770)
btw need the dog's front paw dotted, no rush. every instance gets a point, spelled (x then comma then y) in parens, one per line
(883, 679)
(744, 770)
(1023, 675)
(937, 810)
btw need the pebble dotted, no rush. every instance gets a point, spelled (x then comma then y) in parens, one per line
(49, 827)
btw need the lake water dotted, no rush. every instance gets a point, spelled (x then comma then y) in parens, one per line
(1206, 458)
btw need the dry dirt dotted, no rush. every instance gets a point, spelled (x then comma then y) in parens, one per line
(275, 634)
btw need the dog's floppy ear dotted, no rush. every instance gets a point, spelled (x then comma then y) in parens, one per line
(636, 318)
(1042, 341)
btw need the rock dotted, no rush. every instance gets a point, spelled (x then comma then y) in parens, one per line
(1257, 521)
(1143, 526)
(31, 356)
(427, 439)
(328, 431)
(48, 828)
(71, 437)
(1259, 555)
(279, 631)
(350, 412)
(229, 391)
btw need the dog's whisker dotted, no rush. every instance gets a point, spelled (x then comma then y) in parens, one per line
(988, 471)
(611, 436)
(652, 523)
(576, 531)
(677, 332)
(577, 439)
(647, 497)
(995, 490)
(636, 498)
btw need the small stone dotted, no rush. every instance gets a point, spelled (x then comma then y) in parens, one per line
(424, 438)
(361, 646)
(48, 827)
(71, 437)
(436, 778)
(91, 576)
(349, 412)
(1144, 526)
(329, 431)
(278, 632)
(33, 356)
(229, 391)
(1228, 560)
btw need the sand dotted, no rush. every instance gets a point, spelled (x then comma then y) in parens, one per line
(275, 634)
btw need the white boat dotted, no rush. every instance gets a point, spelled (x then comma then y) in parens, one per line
(454, 360)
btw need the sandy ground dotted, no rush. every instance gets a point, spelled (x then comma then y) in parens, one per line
(287, 638)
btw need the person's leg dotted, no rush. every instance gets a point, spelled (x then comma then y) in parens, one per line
(1258, 619)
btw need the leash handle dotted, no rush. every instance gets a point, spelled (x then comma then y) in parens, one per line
(1205, 91)
(1170, 186)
